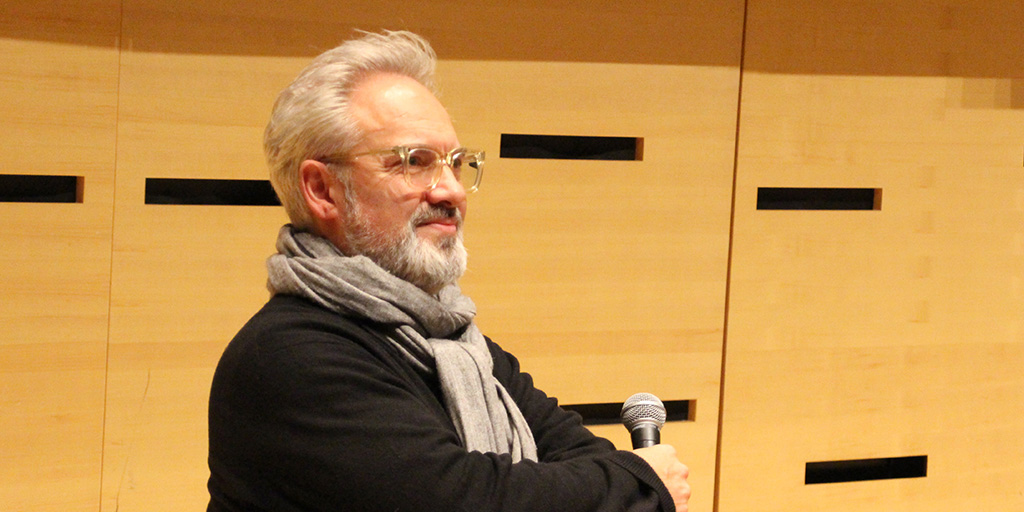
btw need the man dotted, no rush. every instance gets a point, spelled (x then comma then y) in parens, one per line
(363, 384)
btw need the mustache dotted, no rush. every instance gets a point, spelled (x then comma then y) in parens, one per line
(433, 212)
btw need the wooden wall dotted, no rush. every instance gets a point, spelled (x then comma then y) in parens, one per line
(885, 333)
(798, 336)
(59, 84)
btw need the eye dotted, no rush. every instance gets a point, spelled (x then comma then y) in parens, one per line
(457, 160)
(421, 159)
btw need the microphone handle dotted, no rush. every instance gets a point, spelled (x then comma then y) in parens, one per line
(645, 435)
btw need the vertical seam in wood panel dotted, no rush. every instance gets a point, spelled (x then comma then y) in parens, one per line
(728, 270)
(110, 276)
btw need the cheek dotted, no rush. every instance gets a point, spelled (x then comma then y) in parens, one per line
(390, 215)
(395, 192)
(388, 204)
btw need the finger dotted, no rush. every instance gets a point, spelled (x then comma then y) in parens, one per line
(679, 469)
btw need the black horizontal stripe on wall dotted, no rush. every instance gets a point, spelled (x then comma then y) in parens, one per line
(570, 147)
(792, 198)
(192, 191)
(610, 413)
(29, 188)
(858, 470)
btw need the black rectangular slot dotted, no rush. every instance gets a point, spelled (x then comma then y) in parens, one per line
(570, 147)
(789, 198)
(859, 470)
(210, 192)
(611, 413)
(26, 188)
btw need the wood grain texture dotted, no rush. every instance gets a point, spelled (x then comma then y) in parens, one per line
(606, 278)
(185, 278)
(849, 335)
(59, 115)
(882, 333)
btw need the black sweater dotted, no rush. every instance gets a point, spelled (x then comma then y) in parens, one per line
(313, 411)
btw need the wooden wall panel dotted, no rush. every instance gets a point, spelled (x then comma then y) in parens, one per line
(198, 81)
(862, 334)
(887, 333)
(606, 278)
(185, 277)
(60, 96)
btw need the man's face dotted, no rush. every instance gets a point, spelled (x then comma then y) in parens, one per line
(413, 233)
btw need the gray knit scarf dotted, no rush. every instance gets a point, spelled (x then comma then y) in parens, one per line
(434, 334)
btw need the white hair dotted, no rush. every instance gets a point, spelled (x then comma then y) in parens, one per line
(311, 117)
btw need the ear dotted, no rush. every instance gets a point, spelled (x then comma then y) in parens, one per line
(317, 181)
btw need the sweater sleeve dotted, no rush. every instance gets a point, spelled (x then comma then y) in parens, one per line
(561, 437)
(309, 420)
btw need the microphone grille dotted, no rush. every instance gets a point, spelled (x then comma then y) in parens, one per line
(643, 408)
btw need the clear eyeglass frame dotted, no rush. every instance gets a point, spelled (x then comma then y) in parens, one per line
(423, 166)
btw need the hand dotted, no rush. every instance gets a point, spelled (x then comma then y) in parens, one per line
(662, 458)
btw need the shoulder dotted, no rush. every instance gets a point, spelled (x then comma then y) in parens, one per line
(291, 339)
(288, 324)
(285, 320)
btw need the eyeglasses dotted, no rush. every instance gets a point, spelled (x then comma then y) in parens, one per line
(423, 167)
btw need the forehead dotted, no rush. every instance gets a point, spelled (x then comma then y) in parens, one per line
(393, 109)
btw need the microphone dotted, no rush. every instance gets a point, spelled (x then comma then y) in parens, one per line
(643, 415)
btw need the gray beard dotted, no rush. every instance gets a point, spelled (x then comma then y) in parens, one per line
(404, 254)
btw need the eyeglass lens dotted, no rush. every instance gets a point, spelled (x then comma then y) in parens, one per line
(423, 167)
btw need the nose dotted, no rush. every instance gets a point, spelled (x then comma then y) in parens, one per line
(449, 190)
